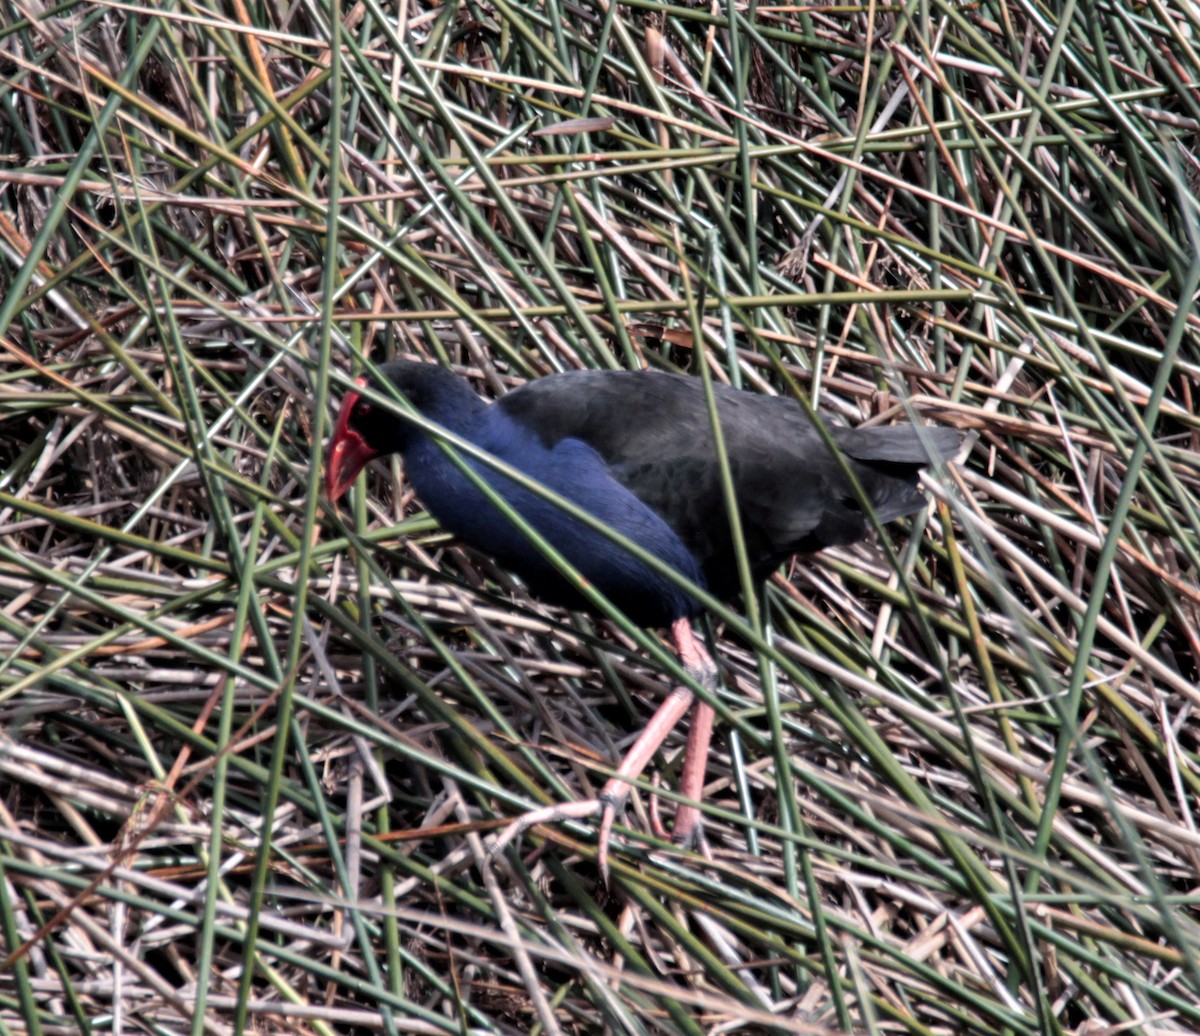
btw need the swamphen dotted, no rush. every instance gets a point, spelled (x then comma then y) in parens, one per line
(636, 450)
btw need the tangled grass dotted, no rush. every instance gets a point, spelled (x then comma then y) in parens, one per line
(252, 750)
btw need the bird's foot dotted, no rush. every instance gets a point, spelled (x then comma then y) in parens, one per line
(609, 804)
(615, 793)
(689, 829)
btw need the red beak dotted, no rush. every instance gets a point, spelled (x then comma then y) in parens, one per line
(348, 451)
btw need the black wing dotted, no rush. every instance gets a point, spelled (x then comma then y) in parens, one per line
(653, 431)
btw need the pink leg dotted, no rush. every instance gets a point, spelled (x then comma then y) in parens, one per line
(695, 767)
(613, 796)
(699, 663)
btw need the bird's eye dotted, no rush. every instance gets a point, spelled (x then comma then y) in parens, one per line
(361, 409)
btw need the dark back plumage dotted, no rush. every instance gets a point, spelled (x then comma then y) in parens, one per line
(654, 432)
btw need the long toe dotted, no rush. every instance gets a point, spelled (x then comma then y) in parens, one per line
(608, 817)
(547, 815)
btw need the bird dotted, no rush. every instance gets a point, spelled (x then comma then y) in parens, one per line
(636, 450)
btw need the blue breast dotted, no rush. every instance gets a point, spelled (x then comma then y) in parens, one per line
(577, 472)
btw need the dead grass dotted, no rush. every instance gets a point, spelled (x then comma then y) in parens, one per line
(954, 783)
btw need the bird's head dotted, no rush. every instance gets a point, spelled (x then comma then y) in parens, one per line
(357, 440)
(366, 429)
